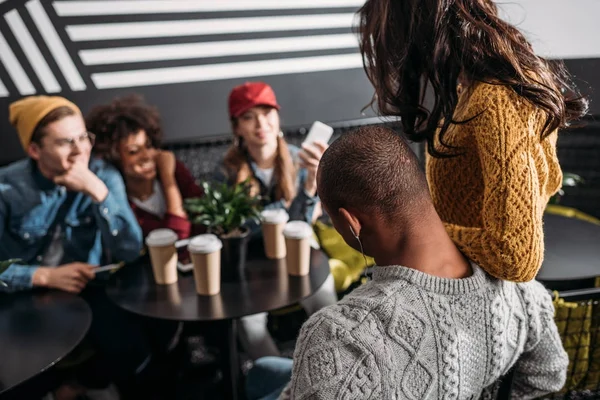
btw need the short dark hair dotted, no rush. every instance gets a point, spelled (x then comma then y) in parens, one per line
(122, 117)
(53, 116)
(372, 169)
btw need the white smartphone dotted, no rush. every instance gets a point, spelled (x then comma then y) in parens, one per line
(319, 131)
(107, 268)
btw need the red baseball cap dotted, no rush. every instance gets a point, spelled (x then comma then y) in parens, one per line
(250, 94)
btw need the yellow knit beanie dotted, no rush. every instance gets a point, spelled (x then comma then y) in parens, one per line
(25, 114)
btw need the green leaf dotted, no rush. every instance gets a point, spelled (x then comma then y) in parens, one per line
(223, 208)
(570, 179)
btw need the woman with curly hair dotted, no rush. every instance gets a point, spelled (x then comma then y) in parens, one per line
(128, 134)
(490, 127)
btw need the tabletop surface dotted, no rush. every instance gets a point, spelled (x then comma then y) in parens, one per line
(572, 249)
(267, 287)
(38, 329)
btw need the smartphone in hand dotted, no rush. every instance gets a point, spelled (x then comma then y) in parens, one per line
(319, 131)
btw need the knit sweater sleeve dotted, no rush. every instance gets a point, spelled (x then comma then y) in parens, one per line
(509, 245)
(330, 362)
(542, 368)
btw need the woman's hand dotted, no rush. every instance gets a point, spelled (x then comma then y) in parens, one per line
(309, 159)
(165, 165)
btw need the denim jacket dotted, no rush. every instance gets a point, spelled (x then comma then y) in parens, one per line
(31, 207)
(302, 206)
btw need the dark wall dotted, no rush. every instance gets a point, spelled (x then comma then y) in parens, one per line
(586, 75)
(199, 111)
(322, 82)
(317, 74)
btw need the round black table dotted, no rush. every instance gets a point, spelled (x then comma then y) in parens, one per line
(266, 287)
(572, 249)
(38, 329)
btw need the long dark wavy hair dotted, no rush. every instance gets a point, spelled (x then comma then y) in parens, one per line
(409, 44)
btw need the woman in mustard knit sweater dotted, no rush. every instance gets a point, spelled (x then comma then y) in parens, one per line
(490, 121)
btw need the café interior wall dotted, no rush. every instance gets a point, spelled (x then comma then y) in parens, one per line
(184, 59)
(314, 68)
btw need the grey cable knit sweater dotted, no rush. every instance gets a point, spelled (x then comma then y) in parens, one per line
(409, 335)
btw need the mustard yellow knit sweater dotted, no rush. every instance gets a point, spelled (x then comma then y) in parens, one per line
(492, 198)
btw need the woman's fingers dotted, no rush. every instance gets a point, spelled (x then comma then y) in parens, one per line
(321, 146)
(312, 151)
(308, 161)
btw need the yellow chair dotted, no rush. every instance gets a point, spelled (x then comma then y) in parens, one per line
(578, 324)
(347, 264)
(571, 213)
(574, 322)
(579, 328)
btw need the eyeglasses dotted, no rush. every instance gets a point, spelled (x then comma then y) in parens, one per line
(83, 139)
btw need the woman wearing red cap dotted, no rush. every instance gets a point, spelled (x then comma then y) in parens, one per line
(260, 152)
(282, 174)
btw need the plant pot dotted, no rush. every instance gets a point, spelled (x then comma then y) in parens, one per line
(233, 257)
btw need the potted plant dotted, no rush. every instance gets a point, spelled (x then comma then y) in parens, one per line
(224, 211)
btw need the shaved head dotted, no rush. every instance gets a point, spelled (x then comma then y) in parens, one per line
(374, 171)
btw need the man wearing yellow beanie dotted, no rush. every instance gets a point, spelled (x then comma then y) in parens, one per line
(60, 212)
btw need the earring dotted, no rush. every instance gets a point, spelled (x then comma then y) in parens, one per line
(280, 134)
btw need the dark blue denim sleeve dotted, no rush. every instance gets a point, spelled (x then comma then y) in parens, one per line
(121, 234)
(303, 205)
(16, 277)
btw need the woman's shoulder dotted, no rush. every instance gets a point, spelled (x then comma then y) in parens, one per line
(487, 92)
(482, 92)
(485, 96)
(186, 181)
(181, 169)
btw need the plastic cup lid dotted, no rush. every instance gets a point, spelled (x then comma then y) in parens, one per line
(205, 244)
(297, 230)
(161, 237)
(277, 216)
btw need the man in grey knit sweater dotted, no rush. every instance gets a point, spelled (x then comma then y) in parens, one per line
(430, 324)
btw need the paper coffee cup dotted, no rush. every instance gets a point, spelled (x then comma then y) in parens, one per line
(297, 241)
(273, 222)
(173, 294)
(205, 252)
(163, 255)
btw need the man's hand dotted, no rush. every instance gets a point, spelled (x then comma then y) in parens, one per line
(309, 159)
(69, 277)
(80, 179)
